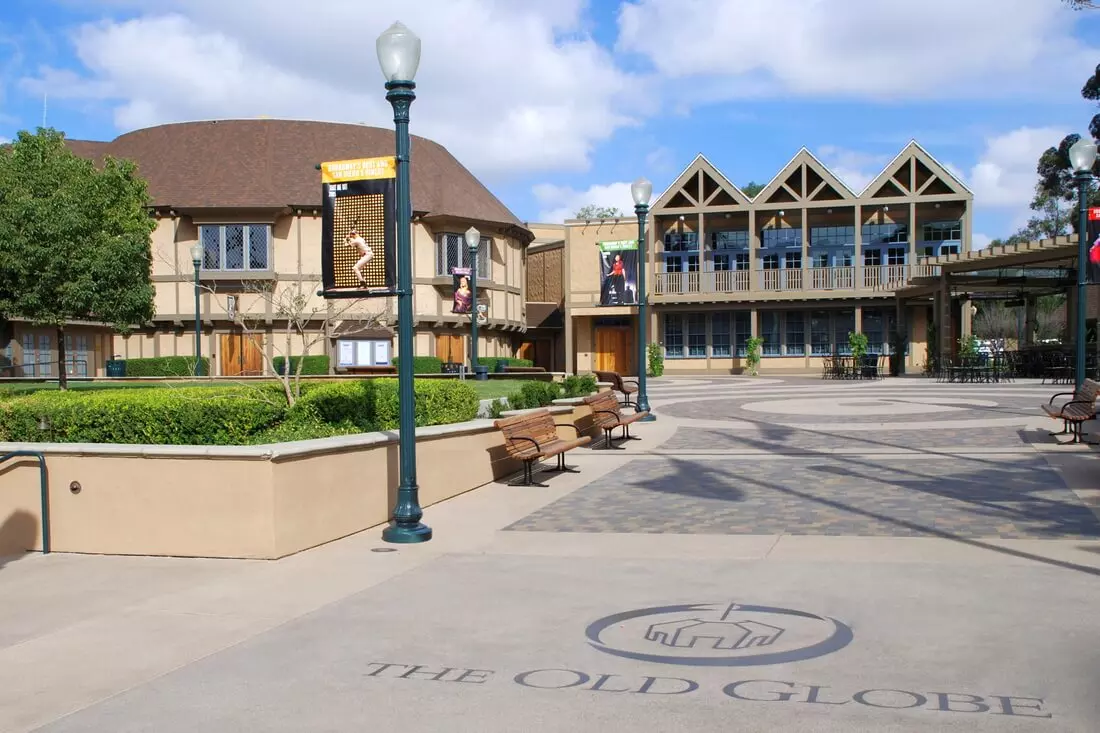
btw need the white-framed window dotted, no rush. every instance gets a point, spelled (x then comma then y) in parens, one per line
(233, 247)
(451, 251)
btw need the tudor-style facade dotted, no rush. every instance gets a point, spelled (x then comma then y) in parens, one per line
(800, 264)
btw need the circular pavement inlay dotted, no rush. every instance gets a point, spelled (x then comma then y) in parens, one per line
(861, 407)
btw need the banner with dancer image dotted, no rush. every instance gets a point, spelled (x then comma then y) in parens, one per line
(619, 272)
(358, 232)
(1094, 245)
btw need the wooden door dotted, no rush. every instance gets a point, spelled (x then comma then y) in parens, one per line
(527, 351)
(615, 349)
(242, 354)
(450, 348)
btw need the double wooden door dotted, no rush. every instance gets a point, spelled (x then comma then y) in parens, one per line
(615, 349)
(450, 347)
(242, 354)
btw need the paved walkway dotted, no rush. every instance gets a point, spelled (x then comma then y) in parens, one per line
(773, 555)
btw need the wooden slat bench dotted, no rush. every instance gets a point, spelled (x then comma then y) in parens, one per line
(1080, 407)
(607, 416)
(532, 436)
(621, 385)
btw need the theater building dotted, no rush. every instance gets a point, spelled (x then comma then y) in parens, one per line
(249, 192)
(801, 264)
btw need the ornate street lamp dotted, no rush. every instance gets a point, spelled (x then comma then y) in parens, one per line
(641, 190)
(196, 260)
(473, 243)
(399, 56)
(1082, 156)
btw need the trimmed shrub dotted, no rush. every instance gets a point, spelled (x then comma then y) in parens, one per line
(491, 361)
(313, 365)
(655, 356)
(534, 394)
(372, 404)
(579, 385)
(165, 366)
(178, 416)
(423, 364)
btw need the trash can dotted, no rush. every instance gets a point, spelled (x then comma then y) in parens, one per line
(481, 373)
(116, 367)
(499, 368)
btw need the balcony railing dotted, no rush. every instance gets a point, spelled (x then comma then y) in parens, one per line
(816, 279)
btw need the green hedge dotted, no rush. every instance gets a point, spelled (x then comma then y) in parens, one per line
(178, 416)
(373, 404)
(423, 364)
(311, 365)
(491, 361)
(165, 366)
(534, 394)
(579, 386)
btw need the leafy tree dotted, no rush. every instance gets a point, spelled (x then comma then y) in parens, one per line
(1081, 4)
(592, 211)
(995, 322)
(74, 238)
(752, 188)
(1055, 172)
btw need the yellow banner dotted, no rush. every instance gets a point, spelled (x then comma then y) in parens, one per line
(363, 169)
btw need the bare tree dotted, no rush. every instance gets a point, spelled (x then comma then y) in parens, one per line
(995, 322)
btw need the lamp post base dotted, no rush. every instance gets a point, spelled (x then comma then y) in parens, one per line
(648, 418)
(407, 534)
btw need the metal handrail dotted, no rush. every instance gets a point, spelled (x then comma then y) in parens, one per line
(45, 489)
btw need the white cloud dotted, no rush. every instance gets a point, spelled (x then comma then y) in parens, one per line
(505, 86)
(660, 160)
(1004, 177)
(980, 241)
(853, 167)
(562, 202)
(863, 48)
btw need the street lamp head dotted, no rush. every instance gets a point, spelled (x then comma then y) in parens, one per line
(196, 253)
(398, 53)
(473, 238)
(641, 190)
(1082, 155)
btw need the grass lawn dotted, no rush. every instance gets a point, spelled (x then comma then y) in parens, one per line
(490, 389)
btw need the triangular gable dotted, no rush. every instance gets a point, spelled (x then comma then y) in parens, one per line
(804, 178)
(914, 171)
(700, 184)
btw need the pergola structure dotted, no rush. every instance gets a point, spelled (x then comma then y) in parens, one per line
(1023, 271)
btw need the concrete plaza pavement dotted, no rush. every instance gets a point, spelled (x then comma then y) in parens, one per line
(773, 555)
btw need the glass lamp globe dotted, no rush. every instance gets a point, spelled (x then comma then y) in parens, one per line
(398, 53)
(473, 238)
(196, 252)
(1082, 155)
(641, 190)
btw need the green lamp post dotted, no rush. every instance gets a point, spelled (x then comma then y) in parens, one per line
(473, 244)
(641, 190)
(1082, 156)
(399, 56)
(196, 260)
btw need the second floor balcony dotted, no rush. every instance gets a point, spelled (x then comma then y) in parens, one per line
(869, 278)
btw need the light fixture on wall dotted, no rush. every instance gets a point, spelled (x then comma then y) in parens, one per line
(782, 213)
(885, 208)
(681, 217)
(828, 211)
(937, 205)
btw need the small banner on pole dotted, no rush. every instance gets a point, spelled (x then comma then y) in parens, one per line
(463, 295)
(1094, 244)
(619, 272)
(358, 232)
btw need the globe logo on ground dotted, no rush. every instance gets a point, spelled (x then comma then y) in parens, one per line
(718, 635)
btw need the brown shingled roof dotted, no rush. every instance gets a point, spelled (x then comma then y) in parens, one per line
(272, 163)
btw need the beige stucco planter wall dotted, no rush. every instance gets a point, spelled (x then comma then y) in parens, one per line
(255, 502)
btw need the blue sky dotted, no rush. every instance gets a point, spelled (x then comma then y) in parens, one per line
(559, 103)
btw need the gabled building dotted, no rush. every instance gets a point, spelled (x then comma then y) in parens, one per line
(800, 264)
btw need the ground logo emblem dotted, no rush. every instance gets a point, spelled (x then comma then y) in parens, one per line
(718, 635)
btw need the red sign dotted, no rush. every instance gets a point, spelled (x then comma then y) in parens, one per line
(1094, 213)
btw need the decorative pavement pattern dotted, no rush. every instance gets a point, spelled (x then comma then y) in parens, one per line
(696, 483)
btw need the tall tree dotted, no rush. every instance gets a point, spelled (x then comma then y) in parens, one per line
(752, 188)
(1082, 4)
(74, 238)
(1054, 169)
(592, 211)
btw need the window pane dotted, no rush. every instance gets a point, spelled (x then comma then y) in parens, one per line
(674, 336)
(769, 331)
(450, 253)
(211, 247)
(792, 260)
(844, 322)
(795, 333)
(696, 334)
(234, 247)
(820, 337)
(257, 247)
(743, 261)
(720, 334)
(721, 263)
(872, 327)
(484, 257)
(742, 331)
(674, 264)
(44, 366)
